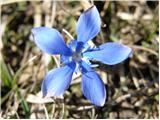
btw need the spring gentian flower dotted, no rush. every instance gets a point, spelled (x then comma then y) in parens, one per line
(76, 56)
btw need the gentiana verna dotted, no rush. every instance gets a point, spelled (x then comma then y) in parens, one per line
(76, 56)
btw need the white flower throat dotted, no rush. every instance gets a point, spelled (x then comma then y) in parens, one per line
(77, 56)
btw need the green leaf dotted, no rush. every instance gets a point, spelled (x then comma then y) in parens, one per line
(24, 104)
(5, 75)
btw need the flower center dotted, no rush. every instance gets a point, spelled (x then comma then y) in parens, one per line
(77, 56)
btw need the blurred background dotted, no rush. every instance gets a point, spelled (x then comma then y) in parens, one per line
(132, 86)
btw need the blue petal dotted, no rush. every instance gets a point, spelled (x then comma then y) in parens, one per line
(65, 59)
(73, 45)
(88, 25)
(86, 67)
(50, 41)
(93, 88)
(57, 80)
(110, 53)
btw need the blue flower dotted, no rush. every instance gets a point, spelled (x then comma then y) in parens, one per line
(76, 57)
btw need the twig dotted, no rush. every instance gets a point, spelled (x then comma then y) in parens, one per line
(92, 2)
(81, 108)
(86, 4)
(53, 110)
(62, 113)
(56, 60)
(135, 81)
(37, 15)
(17, 115)
(5, 2)
(46, 113)
(93, 116)
(65, 31)
(121, 98)
(137, 93)
(143, 48)
(53, 12)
